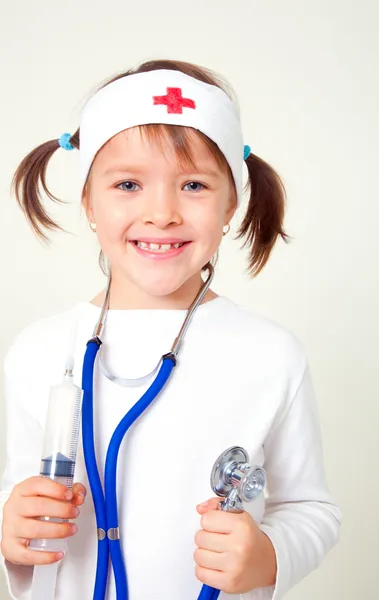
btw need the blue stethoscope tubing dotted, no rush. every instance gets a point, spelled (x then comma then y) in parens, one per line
(105, 503)
(208, 593)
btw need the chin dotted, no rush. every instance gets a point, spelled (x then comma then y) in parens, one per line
(159, 289)
(157, 284)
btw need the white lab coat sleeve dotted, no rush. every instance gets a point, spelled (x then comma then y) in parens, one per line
(24, 438)
(301, 519)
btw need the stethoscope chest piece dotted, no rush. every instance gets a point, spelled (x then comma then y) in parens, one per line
(235, 479)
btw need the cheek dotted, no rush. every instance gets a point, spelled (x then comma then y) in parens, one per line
(208, 218)
(112, 221)
(209, 230)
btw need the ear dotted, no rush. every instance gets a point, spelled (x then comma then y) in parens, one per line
(87, 204)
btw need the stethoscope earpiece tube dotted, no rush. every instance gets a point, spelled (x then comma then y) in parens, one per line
(106, 505)
(110, 476)
(93, 474)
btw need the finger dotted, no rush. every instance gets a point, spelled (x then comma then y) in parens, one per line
(19, 554)
(43, 486)
(211, 504)
(37, 529)
(46, 507)
(217, 542)
(210, 560)
(219, 521)
(211, 577)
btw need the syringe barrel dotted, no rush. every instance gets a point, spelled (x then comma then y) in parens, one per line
(59, 447)
(61, 429)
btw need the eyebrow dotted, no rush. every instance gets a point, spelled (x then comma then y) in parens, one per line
(119, 169)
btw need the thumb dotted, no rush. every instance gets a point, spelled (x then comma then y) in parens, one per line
(211, 504)
(79, 493)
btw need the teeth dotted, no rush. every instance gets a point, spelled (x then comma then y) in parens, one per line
(158, 247)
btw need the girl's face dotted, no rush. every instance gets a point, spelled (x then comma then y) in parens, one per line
(157, 222)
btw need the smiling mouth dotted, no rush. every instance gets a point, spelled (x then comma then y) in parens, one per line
(158, 248)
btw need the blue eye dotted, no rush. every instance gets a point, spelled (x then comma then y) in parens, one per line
(193, 184)
(129, 185)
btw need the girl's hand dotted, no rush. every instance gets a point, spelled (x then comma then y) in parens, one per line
(233, 554)
(38, 497)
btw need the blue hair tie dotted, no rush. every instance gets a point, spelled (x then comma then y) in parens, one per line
(64, 141)
(246, 152)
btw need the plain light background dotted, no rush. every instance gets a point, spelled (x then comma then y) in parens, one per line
(306, 76)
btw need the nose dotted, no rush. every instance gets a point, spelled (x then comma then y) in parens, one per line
(161, 207)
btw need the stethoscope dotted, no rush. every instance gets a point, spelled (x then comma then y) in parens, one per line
(231, 475)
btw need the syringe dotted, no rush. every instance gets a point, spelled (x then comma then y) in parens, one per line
(58, 463)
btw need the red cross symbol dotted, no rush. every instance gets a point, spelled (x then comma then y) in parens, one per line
(174, 101)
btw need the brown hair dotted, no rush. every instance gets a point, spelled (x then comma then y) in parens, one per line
(263, 221)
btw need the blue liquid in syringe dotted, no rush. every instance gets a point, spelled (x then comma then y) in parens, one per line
(57, 466)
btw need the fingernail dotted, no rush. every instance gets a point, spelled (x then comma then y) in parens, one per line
(68, 495)
(60, 555)
(204, 504)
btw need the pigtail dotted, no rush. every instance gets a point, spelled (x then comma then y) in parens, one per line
(263, 221)
(27, 181)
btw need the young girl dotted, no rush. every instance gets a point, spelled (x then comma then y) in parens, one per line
(161, 157)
